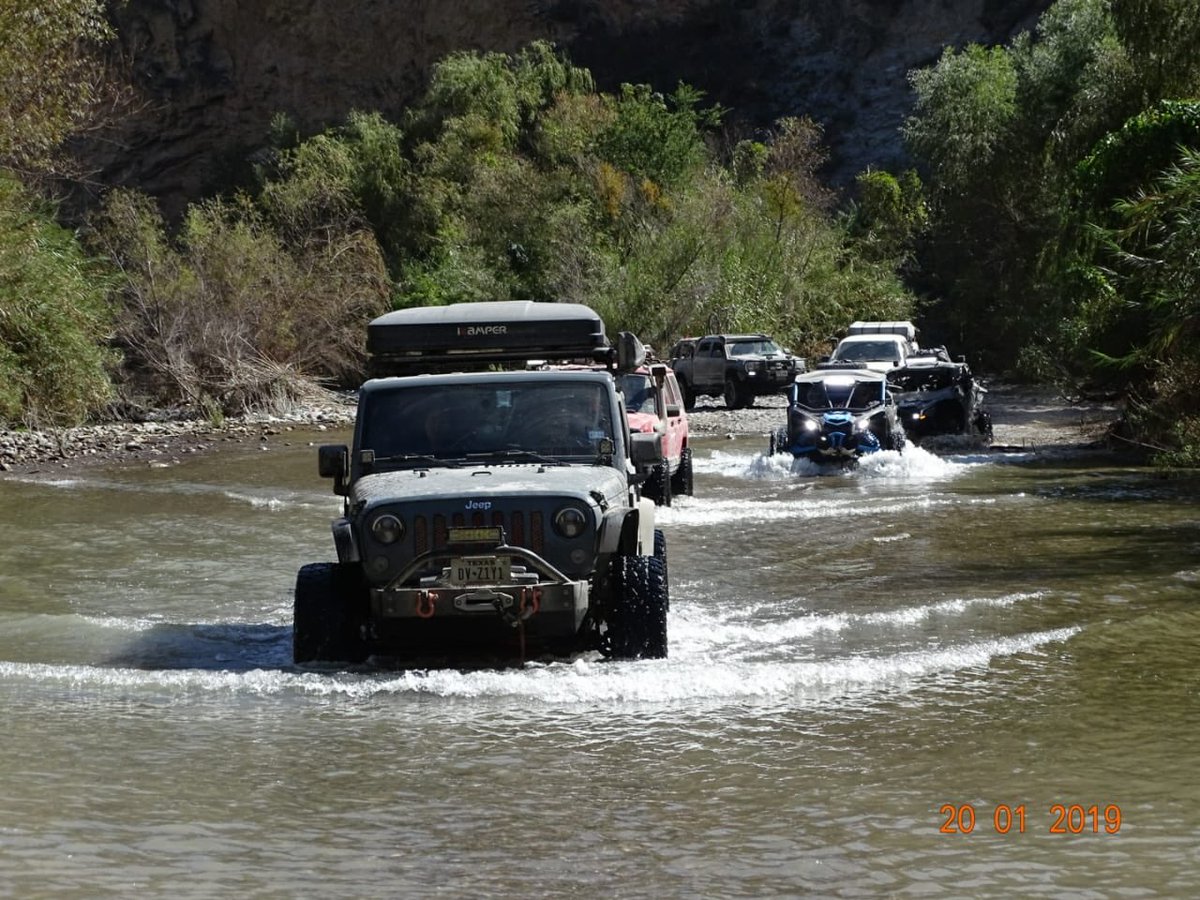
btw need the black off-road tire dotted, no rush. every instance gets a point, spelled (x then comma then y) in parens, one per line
(660, 553)
(636, 608)
(658, 486)
(683, 481)
(328, 614)
(983, 426)
(779, 441)
(732, 394)
(689, 396)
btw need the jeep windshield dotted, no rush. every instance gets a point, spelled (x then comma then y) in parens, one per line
(639, 393)
(933, 378)
(867, 351)
(753, 348)
(503, 421)
(838, 392)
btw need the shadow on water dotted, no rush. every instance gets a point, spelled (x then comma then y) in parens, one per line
(211, 648)
(237, 648)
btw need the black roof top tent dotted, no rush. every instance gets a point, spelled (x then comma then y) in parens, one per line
(465, 335)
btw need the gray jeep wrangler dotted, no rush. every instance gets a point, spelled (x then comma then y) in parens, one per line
(489, 513)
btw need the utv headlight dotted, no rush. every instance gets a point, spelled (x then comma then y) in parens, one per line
(570, 522)
(387, 529)
(811, 424)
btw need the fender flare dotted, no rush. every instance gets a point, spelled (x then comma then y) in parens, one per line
(619, 531)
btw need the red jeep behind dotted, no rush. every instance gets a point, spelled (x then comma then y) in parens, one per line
(654, 402)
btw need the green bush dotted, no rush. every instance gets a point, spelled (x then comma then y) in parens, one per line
(54, 318)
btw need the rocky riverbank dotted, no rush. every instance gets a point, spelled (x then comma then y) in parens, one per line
(1023, 417)
(167, 440)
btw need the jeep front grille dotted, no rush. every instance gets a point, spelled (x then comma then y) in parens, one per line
(515, 529)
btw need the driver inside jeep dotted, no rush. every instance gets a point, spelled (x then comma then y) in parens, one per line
(565, 422)
(444, 431)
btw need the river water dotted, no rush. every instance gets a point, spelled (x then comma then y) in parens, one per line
(933, 676)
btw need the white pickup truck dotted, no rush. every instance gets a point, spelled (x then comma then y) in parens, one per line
(878, 346)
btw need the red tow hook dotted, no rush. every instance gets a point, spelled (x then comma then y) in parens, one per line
(425, 603)
(531, 602)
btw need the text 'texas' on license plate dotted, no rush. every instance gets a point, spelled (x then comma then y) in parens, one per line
(481, 570)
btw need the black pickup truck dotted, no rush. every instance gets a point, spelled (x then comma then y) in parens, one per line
(737, 367)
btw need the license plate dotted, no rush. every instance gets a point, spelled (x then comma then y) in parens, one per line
(481, 570)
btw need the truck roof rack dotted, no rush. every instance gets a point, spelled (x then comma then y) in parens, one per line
(466, 336)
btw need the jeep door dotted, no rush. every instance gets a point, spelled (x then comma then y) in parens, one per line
(710, 366)
(675, 436)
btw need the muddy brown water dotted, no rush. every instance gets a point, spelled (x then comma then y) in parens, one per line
(941, 674)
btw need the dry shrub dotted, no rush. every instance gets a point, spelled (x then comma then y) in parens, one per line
(227, 318)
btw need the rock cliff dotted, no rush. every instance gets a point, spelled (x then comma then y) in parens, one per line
(212, 73)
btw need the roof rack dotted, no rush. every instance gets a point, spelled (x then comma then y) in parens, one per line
(465, 336)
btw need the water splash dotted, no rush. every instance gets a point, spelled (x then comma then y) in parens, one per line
(913, 464)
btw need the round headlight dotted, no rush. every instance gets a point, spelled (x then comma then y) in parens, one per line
(387, 529)
(569, 522)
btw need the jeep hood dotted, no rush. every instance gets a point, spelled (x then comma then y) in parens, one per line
(479, 481)
(644, 423)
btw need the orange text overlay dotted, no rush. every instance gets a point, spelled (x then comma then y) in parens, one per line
(1004, 818)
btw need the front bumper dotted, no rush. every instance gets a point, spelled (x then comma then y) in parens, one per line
(769, 381)
(833, 446)
(433, 613)
(947, 416)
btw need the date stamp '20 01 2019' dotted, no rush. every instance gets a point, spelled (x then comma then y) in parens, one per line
(1064, 818)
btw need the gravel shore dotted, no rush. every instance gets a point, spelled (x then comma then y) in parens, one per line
(165, 441)
(1023, 417)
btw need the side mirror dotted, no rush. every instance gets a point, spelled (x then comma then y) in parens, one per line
(630, 352)
(333, 461)
(646, 450)
(674, 410)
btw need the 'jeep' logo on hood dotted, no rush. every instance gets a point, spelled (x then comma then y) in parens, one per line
(476, 330)
(479, 504)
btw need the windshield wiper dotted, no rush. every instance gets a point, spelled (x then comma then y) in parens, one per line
(422, 458)
(525, 455)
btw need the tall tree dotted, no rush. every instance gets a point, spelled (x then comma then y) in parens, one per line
(1162, 38)
(52, 76)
